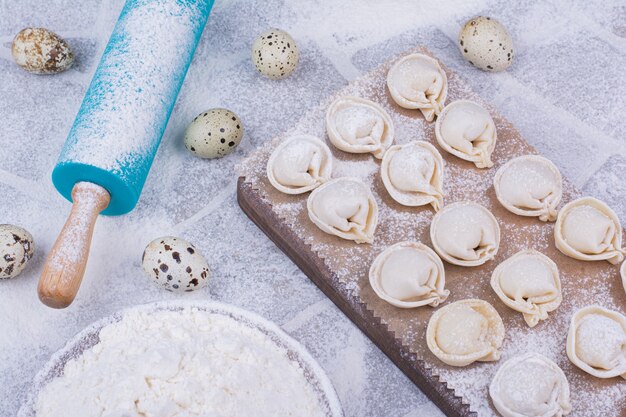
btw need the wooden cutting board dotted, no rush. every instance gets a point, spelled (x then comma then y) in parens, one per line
(257, 209)
(339, 268)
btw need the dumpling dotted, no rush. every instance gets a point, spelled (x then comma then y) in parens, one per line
(300, 164)
(413, 174)
(344, 207)
(465, 129)
(530, 385)
(529, 185)
(464, 332)
(417, 81)
(587, 229)
(528, 282)
(596, 342)
(357, 125)
(409, 274)
(465, 234)
(623, 274)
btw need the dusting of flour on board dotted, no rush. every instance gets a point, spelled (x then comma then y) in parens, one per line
(583, 283)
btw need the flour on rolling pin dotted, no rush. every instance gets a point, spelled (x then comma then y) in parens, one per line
(76, 231)
(125, 111)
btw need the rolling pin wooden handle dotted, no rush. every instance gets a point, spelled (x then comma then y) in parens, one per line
(64, 268)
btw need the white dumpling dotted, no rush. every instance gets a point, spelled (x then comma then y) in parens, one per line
(596, 342)
(623, 274)
(528, 282)
(357, 125)
(465, 129)
(529, 185)
(300, 164)
(465, 234)
(417, 81)
(344, 207)
(587, 229)
(409, 274)
(413, 174)
(530, 385)
(464, 332)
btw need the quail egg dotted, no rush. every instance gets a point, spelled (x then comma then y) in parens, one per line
(41, 51)
(275, 54)
(214, 133)
(16, 249)
(486, 44)
(175, 264)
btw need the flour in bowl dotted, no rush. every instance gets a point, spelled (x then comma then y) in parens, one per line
(180, 363)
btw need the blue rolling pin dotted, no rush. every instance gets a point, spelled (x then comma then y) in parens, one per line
(109, 150)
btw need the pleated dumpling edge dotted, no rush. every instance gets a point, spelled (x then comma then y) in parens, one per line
(417, 81)
(413, 174)
(344, 207)
(299, 164)
(587, 229)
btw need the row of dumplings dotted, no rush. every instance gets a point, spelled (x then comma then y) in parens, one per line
(464, 234)
(528, 384)
(410, 274)
(413, 173)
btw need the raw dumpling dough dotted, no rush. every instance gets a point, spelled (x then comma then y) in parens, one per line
(596, 342)
(528, 282)
(529, 185)
(300, 164)
(409, 274)
(530, 385)
(413, 174)
(587, 229)
(417, 81)
(623, 274)
(464, 332)
(357, 125)
(344, 207)
(466, 130)
(465, 234)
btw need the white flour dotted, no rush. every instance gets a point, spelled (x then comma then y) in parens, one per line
(180, 363)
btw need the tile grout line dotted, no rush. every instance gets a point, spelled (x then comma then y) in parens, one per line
(423, 410)
(227, 191)
(599, 30)
(341, 62)
(593, 169)
(305, 315)
(23, 185)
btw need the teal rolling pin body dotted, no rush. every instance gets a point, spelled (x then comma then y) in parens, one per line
(125, 111)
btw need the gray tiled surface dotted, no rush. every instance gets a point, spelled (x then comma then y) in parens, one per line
(565, 93)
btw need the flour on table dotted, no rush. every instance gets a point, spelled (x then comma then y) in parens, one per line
(180, 363)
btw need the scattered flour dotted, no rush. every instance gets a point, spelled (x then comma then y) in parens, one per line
(181, 363)
(126, 109)
(355, 36)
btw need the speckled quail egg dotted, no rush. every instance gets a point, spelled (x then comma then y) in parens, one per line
(486, 44)
(275, 54)
(214, 133)
(175, 264)
(41, 51)
(16, 249)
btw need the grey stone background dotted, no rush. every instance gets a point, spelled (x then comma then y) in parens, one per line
(565, 93)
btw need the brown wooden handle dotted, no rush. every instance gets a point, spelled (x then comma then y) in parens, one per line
(64, 268)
